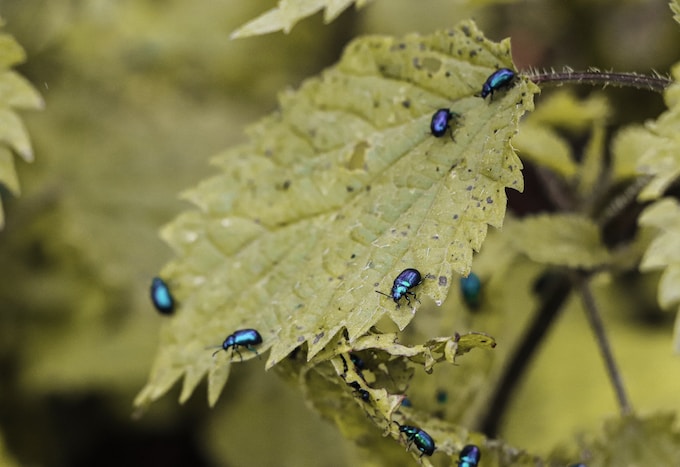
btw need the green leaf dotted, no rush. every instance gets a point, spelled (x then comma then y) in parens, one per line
(661, 159)
(289, 12)
(627, 146)
(540, 142)
(15, 92)
(675, 7)
(561, 239)
(664, 253)
(563, 109)
(590, 169)
(631, 440)
(542, 145)
(337, 193)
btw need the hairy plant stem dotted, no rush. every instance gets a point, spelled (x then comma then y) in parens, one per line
(593, 316)
(600, 78)
(553, 302)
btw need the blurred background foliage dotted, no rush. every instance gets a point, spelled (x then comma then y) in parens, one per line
(139, 95)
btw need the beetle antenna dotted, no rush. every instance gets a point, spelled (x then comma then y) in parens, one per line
(381, 293)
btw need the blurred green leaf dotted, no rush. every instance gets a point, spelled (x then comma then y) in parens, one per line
(636, 441)
(561, 239)
(661, 159)
(289, 12)
(335, 195)
(15, 93)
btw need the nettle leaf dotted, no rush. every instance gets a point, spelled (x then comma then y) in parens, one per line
(540, 142)
(675, 7)
(289, 12)
(630, 440)
(664, 253)
(661, 159)
(15, 93)
(568, 240)
(335, 195)
(626, 147)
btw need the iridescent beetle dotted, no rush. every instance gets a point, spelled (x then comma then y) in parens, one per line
(242, 338)
(414, 435)
(440, 122)
(161, 297)
(406, 280)
(471, 288)
(469, 456)
(499, 79)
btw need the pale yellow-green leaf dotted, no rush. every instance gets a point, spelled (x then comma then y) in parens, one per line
(664, 253)
(675, 7)
(15, 92)
(560, 239)
(627, 147)
(590, 168)
(11, 53)
(665, 248)
(563, 109)
(543, 146)
(8, 175)
(13, 133)
(662, 157)
(288, 12)
(636, 441)
(337, 193)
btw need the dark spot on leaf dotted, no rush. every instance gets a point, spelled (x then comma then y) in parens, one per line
(469, 188)
(489, 200)
(466, 31)
(318, 337)
(435, 237)
(406, 104)
(473, 53)
(349, 189)
(455, 216)
(376, 284)
(404, 233)
(353, 256)
(447, 74)
(286, 184)
(443, 281)
(341, 277)
(301, 339)
(368, 187)
(402, 45)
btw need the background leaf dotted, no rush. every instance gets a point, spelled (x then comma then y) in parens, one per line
(289, 12)
(561, 239)
(349, 167)
(15, 93)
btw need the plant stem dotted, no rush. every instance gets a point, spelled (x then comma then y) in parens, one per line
(601, 337)
(559, 288)
(600, 78)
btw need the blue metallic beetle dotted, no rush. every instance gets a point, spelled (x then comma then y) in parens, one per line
(499, 79)
(242, 338)
(407, 279)
(471, 288)
(420, 438)
(161, 296)
(441, 122)
(469, 456)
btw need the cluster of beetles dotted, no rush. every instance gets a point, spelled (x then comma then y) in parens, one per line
(409, 278)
